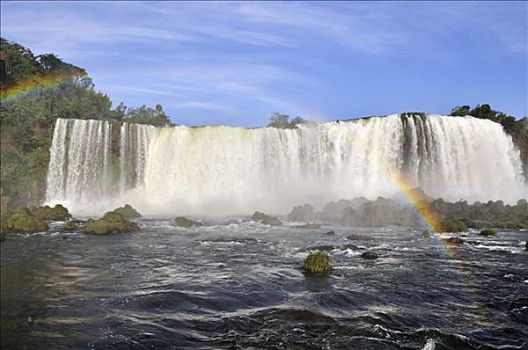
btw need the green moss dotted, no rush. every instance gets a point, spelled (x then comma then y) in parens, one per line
(23, 220)
(488, 232)
(317, 262)
(70, 226)
(58, 212)
(128, 212)
(111, 222)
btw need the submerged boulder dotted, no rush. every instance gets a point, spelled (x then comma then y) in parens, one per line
(317, 262)
(369, 255)
(128, 212)
(454, 240)
(111, 222)
(488, 232)
(308, 226)
(58, 212)
(182, 221)
(22, 220)
(266, 219)
(358, 237)
(329, 233)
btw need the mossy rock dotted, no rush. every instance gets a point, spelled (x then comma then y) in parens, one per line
(22, 220)
(182, 221)
(128, 212)
(317, 262)
(452, 225)
(111, 222)
(488, 232)
(58, 212)
(266, 219)
(70, 226)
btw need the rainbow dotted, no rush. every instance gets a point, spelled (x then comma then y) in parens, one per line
(32, 85)
(416, 198)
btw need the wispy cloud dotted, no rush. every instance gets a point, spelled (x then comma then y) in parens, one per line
(313, 58)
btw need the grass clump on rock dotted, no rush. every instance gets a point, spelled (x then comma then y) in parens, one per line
(22, 220)
(128, 212)
(111, 222)
(317, 262)
(488, 232)
(70, 225)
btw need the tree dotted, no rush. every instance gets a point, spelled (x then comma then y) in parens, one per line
(281, 121)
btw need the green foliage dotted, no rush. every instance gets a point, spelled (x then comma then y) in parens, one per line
(110, 223)
(22, 220)
(128, 212)
(317, 262)
(452, 225)
(58, 212)
(485, 111)
(281, 121)
(26, 122)
(146, 115)
(70, 225)
(488, 232)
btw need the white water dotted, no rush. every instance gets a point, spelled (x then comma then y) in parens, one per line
(218, 170)
(79, 168)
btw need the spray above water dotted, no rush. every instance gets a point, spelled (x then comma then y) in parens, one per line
(219, 170)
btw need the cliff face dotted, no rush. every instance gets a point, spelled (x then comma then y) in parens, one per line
(520, 139)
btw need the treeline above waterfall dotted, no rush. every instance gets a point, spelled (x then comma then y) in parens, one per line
(42, 92)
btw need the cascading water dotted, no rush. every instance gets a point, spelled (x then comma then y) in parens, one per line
(134, 146)
(79, 168)
(226, 170)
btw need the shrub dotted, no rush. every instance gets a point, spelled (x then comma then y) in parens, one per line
(488, 232)
(317, 262)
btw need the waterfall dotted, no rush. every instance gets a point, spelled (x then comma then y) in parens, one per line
(134, 146)
(79, 168)
(226, 170)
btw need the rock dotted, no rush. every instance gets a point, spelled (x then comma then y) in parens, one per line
(356, 237)
(317, 262)
(369, 255)
(302, 213)
(309, 226)
(426, 234)
(127, 212)
(454, 240)
(22, 220)
(488, 232)
(111, 222)
(350, 246)
(266, 219)
(182, 221)
(452, 225)
(58, 212)
(330, 233)
(70, 225)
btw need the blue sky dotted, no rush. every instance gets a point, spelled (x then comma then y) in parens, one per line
(236, 63)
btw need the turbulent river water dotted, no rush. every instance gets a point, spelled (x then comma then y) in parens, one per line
(238, 284)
